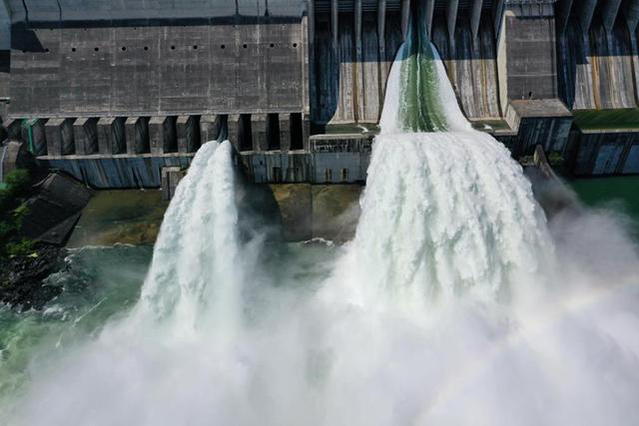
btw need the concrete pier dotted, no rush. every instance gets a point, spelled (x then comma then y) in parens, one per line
(451, 21)
(609, 14)
(60, 137)
(14, 129)
(129, 128)
(106, 136)
(210, 127)
(156, 135)
(33, 132)
(475, 18)
(586, 13)
(171, 177)
(259, 135)
(182, 133)
(429, 9)
(563, 11)
(53, 131)
(85, 135)
(68, 137)
(233, 129)
(285, 132)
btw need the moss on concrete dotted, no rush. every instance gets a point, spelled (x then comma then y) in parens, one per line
(296, 206)
(123, 216)
(305, 212)
(617, 119)
(336, 211)
(318, 211)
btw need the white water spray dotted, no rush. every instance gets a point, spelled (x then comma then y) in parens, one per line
(444, 214)
(447, 308)
(194, 280)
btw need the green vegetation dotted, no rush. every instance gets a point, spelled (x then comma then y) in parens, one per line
(555, 159)
(13, 208)
(607, 119)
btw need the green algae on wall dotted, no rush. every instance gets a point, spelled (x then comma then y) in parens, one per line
(304, 212)
(610, 119)
(121, 216)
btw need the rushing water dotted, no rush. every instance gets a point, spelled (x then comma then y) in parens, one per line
(456, 303)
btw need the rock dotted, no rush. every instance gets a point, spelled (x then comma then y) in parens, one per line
(22, 279)
(336, 211)
(55, 209)
(296, 207)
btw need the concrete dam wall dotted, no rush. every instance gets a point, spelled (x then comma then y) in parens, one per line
(114, 92)
(597, 55)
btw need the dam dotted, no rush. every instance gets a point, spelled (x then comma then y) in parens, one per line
(121, 94)
(459, 300)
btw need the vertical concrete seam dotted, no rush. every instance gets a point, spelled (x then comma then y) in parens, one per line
(26, 11)
(59, 11)
(357, 65)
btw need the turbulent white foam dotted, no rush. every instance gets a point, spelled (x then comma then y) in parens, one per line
(194, 279)
(444, 214)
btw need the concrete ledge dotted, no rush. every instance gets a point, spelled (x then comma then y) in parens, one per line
(116, 171)
(540, 108)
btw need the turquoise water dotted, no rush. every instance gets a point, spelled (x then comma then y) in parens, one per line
(620, 192)
(99, 283)
(617, 194)
(103, 284)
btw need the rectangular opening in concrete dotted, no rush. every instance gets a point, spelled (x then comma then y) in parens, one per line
(170, 134)
(297, 133)
(142, 143)
(344, 175)
(277, 174)
(328, 175)
(245, 140)
(273, 132)
(68, 140)
(91, 134)
(119, 135)
(193, 135)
